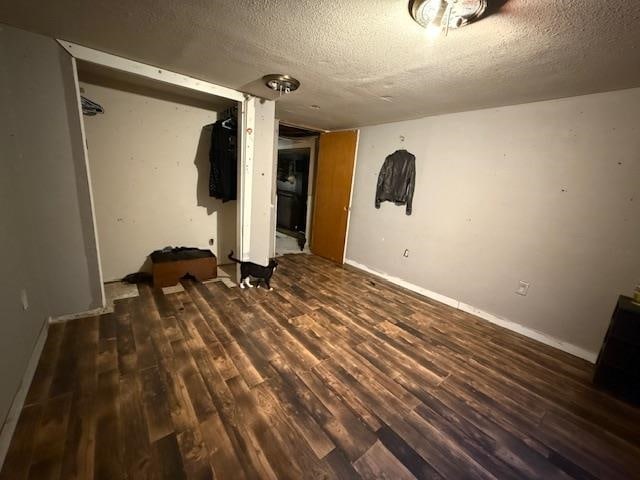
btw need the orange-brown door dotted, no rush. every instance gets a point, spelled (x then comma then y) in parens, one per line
(334, 175)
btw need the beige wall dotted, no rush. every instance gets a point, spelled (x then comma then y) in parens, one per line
(547, 193)
(262, 220)
(149, 159)
(46, 234)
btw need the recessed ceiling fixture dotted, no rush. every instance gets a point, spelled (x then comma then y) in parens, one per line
(281, 83)
(441, 15)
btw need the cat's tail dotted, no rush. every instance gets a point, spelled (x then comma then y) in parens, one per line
(231, 257)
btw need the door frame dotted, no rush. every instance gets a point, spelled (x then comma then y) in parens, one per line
(303, 143)
(312, 179)
(248, 121)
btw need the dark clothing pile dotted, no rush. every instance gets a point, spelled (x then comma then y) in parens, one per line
(397, 179)
(138, 277)
(223, 158)
(174, 254)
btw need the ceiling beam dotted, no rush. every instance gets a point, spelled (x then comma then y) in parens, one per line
(155, 73)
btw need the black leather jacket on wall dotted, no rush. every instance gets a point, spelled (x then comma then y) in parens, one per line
(397, 179)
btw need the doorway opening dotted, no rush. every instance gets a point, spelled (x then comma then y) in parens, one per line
(297, 148)
(318, 166)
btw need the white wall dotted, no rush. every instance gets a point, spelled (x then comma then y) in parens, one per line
(262, 181)
(547, 192)
(46, 235)
(149, 159)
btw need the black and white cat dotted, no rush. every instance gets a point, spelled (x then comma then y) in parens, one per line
(259, 272)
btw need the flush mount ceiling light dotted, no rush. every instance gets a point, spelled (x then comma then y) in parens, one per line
(439, 15)
(281, 83)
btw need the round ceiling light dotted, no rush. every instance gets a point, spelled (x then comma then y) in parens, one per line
(427, 12)
(446, 13)
(281, 83)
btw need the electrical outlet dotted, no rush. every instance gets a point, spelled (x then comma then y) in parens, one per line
(24, 299)
(523, 289)
(406, 254)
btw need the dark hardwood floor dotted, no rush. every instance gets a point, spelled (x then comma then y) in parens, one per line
(334, 374)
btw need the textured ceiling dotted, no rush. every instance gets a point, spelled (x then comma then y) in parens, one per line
(362, 61)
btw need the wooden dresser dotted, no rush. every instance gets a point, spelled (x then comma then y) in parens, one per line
(618, 366)
(168, 267)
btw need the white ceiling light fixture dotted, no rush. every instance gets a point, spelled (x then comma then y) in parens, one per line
(441, 15)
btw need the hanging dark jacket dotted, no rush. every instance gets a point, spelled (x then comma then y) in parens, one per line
(223, 159)
(397, 179)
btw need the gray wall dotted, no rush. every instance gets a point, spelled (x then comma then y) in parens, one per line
(46, 235)
(548, 193)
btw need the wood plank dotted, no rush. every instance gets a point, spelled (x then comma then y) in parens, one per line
(407, 455)
(361, 368)
(78, 460)
(64, 375)
(155, 403)
(18, 460)
(499, 443)
(42, 379)
(521, 428)
(224, 403)
(191, 378)
(473, 446)
(166, 459)
(297, 326)
(444, 455)
(108, 449)
(284, 428)
(223, 362)
(108, 328)
(264, 441)
(48, 450)
(378, 462)
(342, 387)
(178, 402)
(341, 466)
(134, 436)
(140, 321)
(292, 401)
(194, 455)
(243, 364)
(127, 355)
(348, 432)
(222, 453)
(107, 355)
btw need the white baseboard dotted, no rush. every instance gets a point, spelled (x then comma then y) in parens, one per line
(74, 316)
(503, 322)
(9, 426)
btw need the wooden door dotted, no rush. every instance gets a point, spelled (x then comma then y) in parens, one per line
(334, 176)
